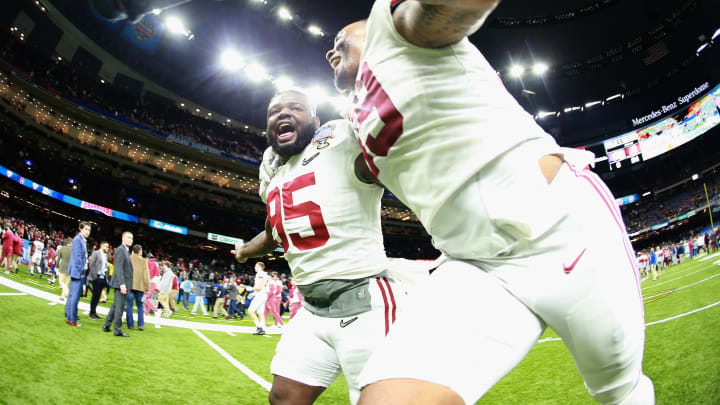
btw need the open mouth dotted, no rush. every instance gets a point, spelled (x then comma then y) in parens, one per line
(335, 62)
(285, 132)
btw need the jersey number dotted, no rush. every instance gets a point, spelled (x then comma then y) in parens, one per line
(377, 98)
(305, 209)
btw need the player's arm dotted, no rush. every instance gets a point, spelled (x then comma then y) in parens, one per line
(260, 245)
(363, 172)
(438, 23)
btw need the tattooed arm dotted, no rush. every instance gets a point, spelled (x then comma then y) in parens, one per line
(438, 23)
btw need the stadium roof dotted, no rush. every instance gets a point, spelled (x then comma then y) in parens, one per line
(593, 48)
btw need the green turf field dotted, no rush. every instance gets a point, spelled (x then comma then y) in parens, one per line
(45, 361)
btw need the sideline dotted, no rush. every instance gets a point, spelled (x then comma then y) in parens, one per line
(251, 374)
(84, 306)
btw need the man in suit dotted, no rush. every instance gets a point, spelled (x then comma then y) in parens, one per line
(76, 271)
(98, 270)
(63, 259)
(122, 279)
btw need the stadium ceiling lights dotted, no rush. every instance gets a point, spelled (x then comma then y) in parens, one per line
(592, 103)
(543, 114)
(283, 83)
(315, 30)
(517, 71)
(284, 14)
(176, 26)
(231, 60)
(256, 72)
(701, 48)
(715, 35)
(540, 68)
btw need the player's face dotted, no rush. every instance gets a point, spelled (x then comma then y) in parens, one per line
(344, 58)
(85, 231)
(291, 123)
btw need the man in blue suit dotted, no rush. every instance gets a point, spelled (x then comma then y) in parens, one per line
(76, 271)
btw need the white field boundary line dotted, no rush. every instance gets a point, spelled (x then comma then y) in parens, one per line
(672, 318)
(674, 272)
(678, 278)
(681, 288)
(84, 306)
(243, 368)
(682, 315)
(710, 257)
(11, 294)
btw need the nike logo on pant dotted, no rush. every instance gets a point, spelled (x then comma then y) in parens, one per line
(346, 323)
(570, 268)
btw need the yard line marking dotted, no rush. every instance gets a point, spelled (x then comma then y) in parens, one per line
(231, 334)
(678, 278)
(259, 380)
(660, 293)
(710, 257)
(682, 315)
(52, 303)
(11, 294)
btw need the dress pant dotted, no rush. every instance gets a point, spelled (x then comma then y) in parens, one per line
(116, 312)
(186, 299)
(137, 297)
(65, 284)
(97, 286)
(71, 306)
(219, 305)
(173, 294)
(164, 300)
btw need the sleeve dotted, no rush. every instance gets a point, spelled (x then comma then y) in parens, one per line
(75, 268)
(119, 275)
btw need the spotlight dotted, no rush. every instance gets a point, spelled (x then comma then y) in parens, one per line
(540, 68)
(231, 60)
(284, 14)
(282, 83)
(156, 11)
(701, 48)
(315, 30)
(592, 103)
(256, 72)
(175, 25)
(517, 71)
(715, 35)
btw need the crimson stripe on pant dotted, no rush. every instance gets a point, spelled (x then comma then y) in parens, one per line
(392, 297)
(606, 195)
(387, 308)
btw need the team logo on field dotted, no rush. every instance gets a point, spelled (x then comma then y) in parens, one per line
(322, 135)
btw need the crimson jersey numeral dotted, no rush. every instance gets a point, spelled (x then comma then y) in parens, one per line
(305, 209)
(377, 98)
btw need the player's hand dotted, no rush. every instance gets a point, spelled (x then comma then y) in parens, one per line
(123, 290)
(237, 252)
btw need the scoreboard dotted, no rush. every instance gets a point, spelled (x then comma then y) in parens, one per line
(623, 150)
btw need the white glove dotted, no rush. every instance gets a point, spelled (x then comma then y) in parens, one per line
(271, 161)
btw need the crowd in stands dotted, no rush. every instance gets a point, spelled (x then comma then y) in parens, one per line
(671, 204)
(60, 78)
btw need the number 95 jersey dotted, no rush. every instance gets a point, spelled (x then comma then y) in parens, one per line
(327, 220)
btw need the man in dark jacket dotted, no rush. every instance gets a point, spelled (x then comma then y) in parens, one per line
(122, 280)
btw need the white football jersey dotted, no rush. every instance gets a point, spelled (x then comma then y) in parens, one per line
(39, 246)
(442, 133)
(327, 220)
(260, 275)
